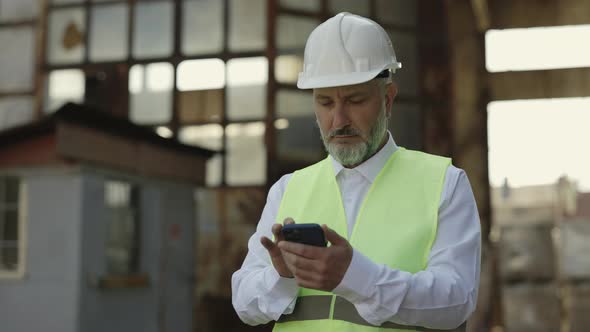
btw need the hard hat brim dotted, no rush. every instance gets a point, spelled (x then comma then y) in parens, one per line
(329, 81)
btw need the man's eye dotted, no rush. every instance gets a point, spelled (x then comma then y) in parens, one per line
(356, 101)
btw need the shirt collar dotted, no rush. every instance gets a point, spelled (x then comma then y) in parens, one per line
(372, 166)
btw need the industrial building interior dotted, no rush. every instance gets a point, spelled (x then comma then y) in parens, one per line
(500, 86)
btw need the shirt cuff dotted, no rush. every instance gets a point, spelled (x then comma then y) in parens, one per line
(283, 293)
(359, 279)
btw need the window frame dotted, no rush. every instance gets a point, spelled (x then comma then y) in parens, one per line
(34, 92)
(133, 266)
(274, 10)
(22, 243)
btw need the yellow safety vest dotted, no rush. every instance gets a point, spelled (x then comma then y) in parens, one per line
(396, 226)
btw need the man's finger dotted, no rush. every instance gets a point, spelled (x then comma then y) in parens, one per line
(311, 252)
(299, 262)
(277, 228)
(333, 237)
(276, 257)
(276, 232)
(308, 279)
(269, 245)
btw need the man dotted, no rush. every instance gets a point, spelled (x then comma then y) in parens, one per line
(403, 227)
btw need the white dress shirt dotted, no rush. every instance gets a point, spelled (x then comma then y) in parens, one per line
(442, 296)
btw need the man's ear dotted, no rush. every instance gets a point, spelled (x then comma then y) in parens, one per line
(390, 93)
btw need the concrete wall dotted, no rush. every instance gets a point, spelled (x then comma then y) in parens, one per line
(166, 304)
(47, 299)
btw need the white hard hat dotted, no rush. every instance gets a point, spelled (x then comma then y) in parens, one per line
(344, 50)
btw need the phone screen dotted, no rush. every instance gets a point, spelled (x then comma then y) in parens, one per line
(310, 234)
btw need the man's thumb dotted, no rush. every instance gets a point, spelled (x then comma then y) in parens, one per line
(331, 235)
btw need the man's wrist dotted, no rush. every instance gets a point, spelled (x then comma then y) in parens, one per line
(359, 278)
(273, 277)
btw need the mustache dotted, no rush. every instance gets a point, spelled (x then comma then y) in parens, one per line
(343, 132)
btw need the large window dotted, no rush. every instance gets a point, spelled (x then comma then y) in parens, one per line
(18, 19)
(538, 141)
(538, 48)
(11, 225)
(214, 73)
(528, 138)
(191, 65)
(122, 206)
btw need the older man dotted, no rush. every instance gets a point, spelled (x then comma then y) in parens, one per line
(403, 227)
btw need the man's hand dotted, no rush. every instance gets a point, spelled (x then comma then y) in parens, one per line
(275, 253)
(318, 267)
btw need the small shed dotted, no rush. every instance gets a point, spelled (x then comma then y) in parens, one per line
(97, 225)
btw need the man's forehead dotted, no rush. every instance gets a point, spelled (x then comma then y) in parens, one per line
(345, 90)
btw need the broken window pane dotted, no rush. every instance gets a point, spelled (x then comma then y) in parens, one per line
(64, 86)
(246, 154)
(246, 88)
(16, 10)
(65, 1)
(294, 103)
(201, 96)
(150, 87)
(287, 68)
(399, 12)
(15, 111)
(247, 25)
(406, 50)
(153, 29)
(200, 106)
(108, 32)
(359, 7)
(202, 27)
(17, 60)
(406, 124)
(214, 168)
(207, 136)
(293, 31)
(306, 5)
(65, 42)
(298, 138)
(200, 74)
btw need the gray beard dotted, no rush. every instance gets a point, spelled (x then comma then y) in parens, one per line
(349, 155)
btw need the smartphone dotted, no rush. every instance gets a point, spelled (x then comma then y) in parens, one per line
(311, 234)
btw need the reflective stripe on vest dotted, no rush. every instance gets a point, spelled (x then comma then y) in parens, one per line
(317, 307)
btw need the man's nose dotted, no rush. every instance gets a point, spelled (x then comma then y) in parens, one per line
(341, 118)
